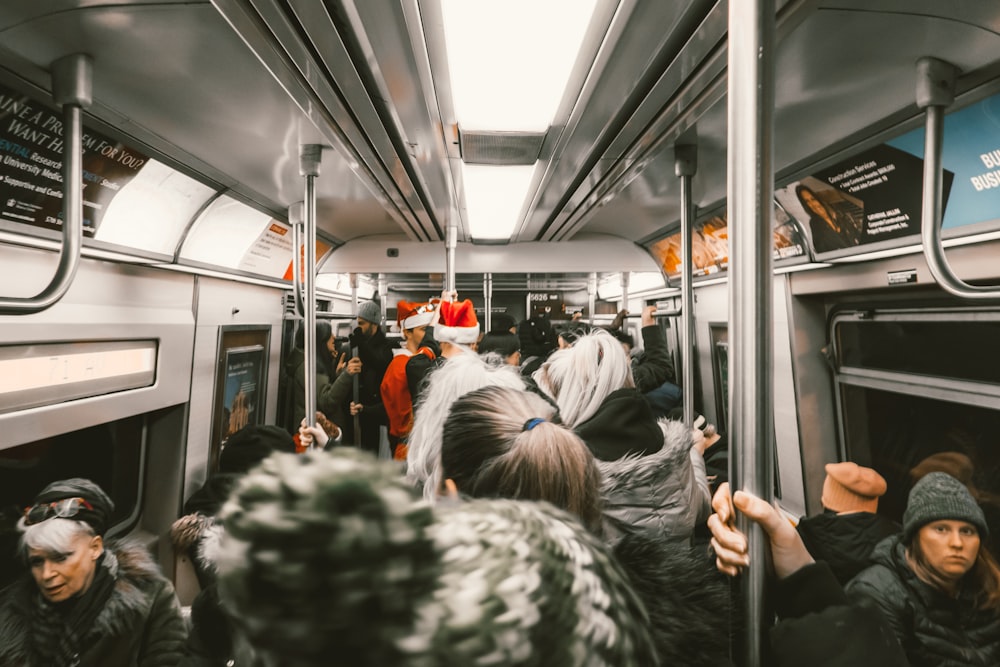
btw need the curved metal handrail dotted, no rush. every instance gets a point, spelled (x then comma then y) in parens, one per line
(935, 92)
(72, 78)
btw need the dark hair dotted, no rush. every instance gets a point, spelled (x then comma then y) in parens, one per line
(573, 331)
(324, 359)
(493, 446)
(503, 343)
(799, 189)
(623, 337)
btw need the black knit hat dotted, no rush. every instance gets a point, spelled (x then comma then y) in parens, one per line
(251, 445)
(937, 496)
(329, 554)
(101, 505)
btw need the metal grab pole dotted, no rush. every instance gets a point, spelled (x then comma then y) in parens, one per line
(625, 277)
(295, 220)
(685, 166)
(592, 295)
(355, 381)
(449, 256)
(488, 298)
(72, 86)
(750, 193)
(310, 156)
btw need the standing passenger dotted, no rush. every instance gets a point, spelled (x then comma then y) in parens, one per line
(935, 582)
(374, 356)
(86, 602)
(413, 320)
(296, 366)
(846, 533)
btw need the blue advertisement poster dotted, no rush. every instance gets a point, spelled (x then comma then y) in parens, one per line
(972, 153)
(244, 373)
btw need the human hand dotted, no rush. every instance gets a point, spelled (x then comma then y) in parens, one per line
(310, 434)
(788, 552)
(356, 408)
(341, 362)
(647, 316)
(354, 366)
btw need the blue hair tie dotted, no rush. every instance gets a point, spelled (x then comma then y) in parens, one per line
(532, 423)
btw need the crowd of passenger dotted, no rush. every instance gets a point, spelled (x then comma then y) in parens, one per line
(537, 502)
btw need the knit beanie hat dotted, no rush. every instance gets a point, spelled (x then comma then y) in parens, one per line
(370, 311)
(458, 323)
(327, 556)
(412, 315)
(849, 487)
(937, 496)
(251, 445)
(101, 508)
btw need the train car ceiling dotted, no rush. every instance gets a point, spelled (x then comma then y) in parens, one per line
(225, 93)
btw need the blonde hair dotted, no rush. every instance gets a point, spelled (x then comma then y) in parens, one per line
(455, 377)
(580, 378)
(502, 443)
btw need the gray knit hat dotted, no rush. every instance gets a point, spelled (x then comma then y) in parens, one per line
(936, 496)
(329, 556)
(370, 312)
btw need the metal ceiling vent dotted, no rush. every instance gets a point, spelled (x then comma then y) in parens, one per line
(500, 148)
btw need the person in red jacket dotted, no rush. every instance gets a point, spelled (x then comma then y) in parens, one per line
(413, 318)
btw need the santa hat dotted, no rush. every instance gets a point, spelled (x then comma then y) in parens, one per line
(852, 488)
(413, 315)
(458, 323)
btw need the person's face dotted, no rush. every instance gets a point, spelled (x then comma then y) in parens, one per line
(367, 328)
(61, 576)
(414, 337)
(627, 348)
(515, 358)
(814, 204)
(950, 547)
(331, 345)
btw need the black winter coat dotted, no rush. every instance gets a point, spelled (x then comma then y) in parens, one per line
(934, 629)
(845, 541)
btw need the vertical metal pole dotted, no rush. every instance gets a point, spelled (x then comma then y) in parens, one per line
(451, 243)
(488, 298)
(685, 166)
(383, 294)
(750, 193)
(355, 381)
(295, 220)
(592, 295)
(625, 277)
(310, 156)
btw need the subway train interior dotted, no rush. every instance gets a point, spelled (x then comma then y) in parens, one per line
(829, 211)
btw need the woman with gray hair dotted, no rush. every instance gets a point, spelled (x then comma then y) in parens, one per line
(86, 602)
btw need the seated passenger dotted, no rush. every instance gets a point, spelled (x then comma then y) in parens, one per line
(506, 443)
(654, 475)
(86, 602)
(818, 627)
(935, 582)
(328, 558)
(846, 533)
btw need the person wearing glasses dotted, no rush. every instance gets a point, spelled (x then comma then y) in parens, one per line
(85, 601)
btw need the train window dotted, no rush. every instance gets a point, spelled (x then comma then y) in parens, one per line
(897, 434)
(109, 454)
(925, 344)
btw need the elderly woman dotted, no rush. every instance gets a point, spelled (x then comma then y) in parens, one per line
(85, 602)
(935, 582)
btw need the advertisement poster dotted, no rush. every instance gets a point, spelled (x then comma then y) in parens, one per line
(971, 152)
(31, 149)
(874, 196)
(244, 374)
(710, 245)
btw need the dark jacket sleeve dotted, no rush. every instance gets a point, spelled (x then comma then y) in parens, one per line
(421, 364)
(655, 366)
(818, 627)
(165, 631)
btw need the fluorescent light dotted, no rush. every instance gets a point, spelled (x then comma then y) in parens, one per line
(509, 62)
(494, 196)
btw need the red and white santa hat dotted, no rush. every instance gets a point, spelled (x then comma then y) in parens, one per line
(457, 323)
(411, 315)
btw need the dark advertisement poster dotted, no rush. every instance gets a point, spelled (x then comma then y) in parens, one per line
(244, 374)
(710, 245)
(875, 196)
(31, 150)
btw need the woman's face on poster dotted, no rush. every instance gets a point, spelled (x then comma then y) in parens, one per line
(814, 205)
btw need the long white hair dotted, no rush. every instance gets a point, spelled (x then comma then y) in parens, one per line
(456, 377)
(580, 378)
(55, 535)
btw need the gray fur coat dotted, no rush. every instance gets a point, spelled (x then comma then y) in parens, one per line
(140, 625)
(664, 494)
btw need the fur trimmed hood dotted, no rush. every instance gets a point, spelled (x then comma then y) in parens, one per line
(137, 581)
(665, 493)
